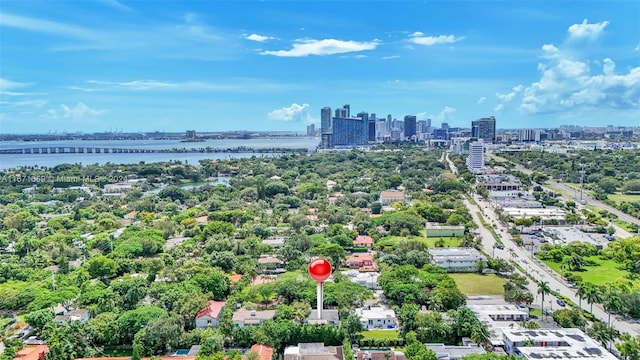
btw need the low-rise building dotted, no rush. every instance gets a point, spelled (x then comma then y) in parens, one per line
(501, 312)
(271, 264)
(377, 317)
(275, 242)
(264, 352)
(329, 316)
(454, 352)
(313, 351)
(437, 230)
(79, 315)
(368, 279)
(244, 317)
(362, 262)
(558, 344)
(210, 315)
(391, 196)
(456, 259)
(544, 213)
(379, 355)
(363, 241)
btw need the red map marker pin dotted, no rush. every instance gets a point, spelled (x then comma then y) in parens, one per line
(320, 269)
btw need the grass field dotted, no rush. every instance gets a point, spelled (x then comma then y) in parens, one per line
(625, 225)
(535, 312)
(392, 241)
(476, 284)
(623, 197)
(380, 334)
(607, 271)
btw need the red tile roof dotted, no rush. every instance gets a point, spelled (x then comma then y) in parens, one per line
(363, 240)
(235, 277)
(32, 353)
(213, 310)
(265, 352)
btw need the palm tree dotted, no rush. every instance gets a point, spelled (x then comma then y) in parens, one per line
(581, 293)
(612, 303)
(480, 334)
(593, 295)
(543, 289)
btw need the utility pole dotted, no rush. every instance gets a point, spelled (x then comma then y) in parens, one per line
(581, 181)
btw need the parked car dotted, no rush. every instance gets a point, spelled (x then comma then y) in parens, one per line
(561, 302)
(499, 246)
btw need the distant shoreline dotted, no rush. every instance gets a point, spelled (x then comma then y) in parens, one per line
(147, 136)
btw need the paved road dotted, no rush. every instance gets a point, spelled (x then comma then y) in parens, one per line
(533, 266)
(599, 204)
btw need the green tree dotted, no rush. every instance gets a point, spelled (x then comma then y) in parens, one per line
(38, 319)
(543, 289)
(101, 267)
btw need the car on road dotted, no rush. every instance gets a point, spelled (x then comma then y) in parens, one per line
(499, 246)
(561, 302)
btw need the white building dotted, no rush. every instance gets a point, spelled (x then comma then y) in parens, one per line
(554, 344)
(501, 312)
(313, 351)
(543, 213)
(475, 159)
(366, 279)
(454, 352)
(456, 259)
(377, 317)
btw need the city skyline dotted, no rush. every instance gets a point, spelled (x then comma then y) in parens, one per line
(272, 66)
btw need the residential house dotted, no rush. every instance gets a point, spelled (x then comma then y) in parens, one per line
(329, 316)
(38, 352)
(454, 352)
(368, 279)
(456, 259)
(209, 316)
(363, 241)
(377, 317)
(243, 317)
(276, 242)
(79, 315)
(264, 352)
(391, 196)
(362, 262)
(271, 264)
(313, 351)
(379, 355)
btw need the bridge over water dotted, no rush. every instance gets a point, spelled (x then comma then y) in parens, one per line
(78, 150)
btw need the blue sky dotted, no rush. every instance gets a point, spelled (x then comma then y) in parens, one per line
(272, 65)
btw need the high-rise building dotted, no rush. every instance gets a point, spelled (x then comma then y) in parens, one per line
(347, 107)
(444, 126)
(484, 129)
(528, 135)
(389, 123)
(311, 130)
(190, 135)
(325, 120)
(349, 132)
(410, 127)
(475, 159)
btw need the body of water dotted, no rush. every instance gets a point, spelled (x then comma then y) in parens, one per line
(49, 160)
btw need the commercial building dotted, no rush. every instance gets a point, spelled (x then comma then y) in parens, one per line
(543, 213)
(347, 131)
(475, 159)
(484, 129)
(501, 312)
(456, 259)
(377, 317)
(437, 230)
(410, 127)
(553, 344)
(525, 135)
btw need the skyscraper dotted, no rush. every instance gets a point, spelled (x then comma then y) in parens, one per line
(349, 131)
(484, 129)
(409, 126)
(325, 128)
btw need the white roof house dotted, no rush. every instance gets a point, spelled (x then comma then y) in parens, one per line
(456, 259)
(377, 317)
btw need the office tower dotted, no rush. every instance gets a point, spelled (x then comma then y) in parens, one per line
(347, 107)
(475, 159)
(428, 125)
(311, 130)
(528, 135)
(484, 129)
(441, 134)
(389, 123)
(191, 134)
(372, 116)
(444, 126)
(341, 113)
(410, 127)
(421, 127)
(370, 128)
(381, 130)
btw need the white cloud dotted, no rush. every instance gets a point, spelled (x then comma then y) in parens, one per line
(586, 31)
(637, 48)
(10, 85)
(295, 112)
(391, 57)
(78, 112)
(420, 39)
(443, 116)
(32, 103)
(323, 47)
(241, 85)
(33, 24)
(482, 100)
(509, 96)
(258, 38)
(499, 108)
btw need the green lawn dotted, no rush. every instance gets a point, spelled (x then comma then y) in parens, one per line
(392, 241)
(535, 312)
(623, 197)
(380, 334)
(625, 225)
(476, 284)
(607, 271)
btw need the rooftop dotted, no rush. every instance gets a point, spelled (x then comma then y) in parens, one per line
(213, 310)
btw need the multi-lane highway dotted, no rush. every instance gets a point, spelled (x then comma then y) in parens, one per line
(531, 265)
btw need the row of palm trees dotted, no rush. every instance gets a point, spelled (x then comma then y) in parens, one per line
(592, 294)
